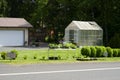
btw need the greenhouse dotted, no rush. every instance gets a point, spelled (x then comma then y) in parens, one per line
(84, 33)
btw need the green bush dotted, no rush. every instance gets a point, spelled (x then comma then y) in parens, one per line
(52, 46)
(86, 51)
(118, 52)
(73, 46)
(115, 53)
(25, 57)
(69, 45)
(99, 51)
(109, 51)
(3, 55)
(103, 51)
(15, 52)
(66, 45)
(60, 45)
(35, 56)
(93, 51)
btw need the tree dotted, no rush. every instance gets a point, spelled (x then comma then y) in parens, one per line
(3, 8)
(115, 41)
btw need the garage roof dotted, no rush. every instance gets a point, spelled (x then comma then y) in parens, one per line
(14, 22)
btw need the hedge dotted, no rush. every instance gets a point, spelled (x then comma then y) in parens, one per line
(100, 51)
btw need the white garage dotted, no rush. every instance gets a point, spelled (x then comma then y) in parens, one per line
(14, 32)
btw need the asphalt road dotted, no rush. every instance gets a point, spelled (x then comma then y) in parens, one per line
(69, 71)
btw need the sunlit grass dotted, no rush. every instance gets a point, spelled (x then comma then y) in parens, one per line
(41, 56)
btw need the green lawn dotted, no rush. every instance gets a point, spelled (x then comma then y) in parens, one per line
(41, 56)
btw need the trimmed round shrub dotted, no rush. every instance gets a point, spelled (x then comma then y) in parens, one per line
(86, 51)
(118, 52)
(93, 52)
(109, 51)
(103, 51)
(115, 53)
(99, 51)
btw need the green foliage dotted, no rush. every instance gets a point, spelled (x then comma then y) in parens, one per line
(60, 45)
(93, 51)
(69, 45)
(115, 52)
(115, 41)
(100, 51)
(15, 52)
(109, 51)
(57, 14)
(66, 45)
(86, 51)
(3, 55)
(35, 56)
(73, 46)
(25, 57)
(52, 46)
(118, 52)
(3, 8)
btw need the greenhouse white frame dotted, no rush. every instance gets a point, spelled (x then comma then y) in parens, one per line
(84, 33)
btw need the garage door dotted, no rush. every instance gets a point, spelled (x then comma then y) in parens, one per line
(11, 38)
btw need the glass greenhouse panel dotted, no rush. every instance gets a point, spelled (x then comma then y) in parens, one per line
(84, 33)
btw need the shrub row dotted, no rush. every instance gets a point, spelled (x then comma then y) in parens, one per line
(65, 45)
(100, 51)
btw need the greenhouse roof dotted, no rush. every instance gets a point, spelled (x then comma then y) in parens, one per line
(86, 25)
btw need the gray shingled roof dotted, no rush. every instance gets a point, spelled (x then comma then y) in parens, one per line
(14, 22)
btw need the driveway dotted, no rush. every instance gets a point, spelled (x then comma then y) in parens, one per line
(41, 46)
(69, 71)
(20, 48)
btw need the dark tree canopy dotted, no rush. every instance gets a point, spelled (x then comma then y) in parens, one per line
(57, 14)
